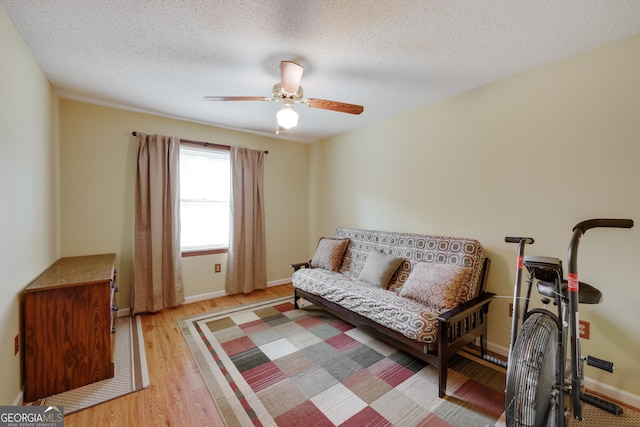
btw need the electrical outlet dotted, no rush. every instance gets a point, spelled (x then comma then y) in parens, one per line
(584, 329)
(217, 268)
(16, 344)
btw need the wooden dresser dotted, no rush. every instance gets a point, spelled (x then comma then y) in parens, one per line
(68, 325)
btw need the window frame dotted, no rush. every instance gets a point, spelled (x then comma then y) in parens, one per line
(200, 252)
(204, 251)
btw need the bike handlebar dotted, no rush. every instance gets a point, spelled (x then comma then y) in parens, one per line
(603, 222)
(527, 240)
(581, 228)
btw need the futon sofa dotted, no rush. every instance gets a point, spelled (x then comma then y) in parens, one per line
(423, 294)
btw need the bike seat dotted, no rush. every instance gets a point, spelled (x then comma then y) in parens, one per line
(587, 294)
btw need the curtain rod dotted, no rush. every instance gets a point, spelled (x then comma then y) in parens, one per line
(206, 144)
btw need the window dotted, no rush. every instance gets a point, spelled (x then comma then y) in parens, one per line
(205, 186)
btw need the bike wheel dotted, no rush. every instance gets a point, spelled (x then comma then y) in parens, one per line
(531, 374)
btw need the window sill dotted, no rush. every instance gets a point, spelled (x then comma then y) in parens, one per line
(200, 252)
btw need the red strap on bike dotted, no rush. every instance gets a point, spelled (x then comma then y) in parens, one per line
(574, 284)
(519, 265)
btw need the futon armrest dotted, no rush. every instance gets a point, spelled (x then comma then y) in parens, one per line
(299, 265)
(470, 306)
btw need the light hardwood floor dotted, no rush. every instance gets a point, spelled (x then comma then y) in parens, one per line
(177, 395)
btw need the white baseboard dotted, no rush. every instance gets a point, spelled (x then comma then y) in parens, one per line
(217, 294)
(591, 384)
(209, 295)
(279, 282)
(19, 400)
(202, 297)
(498, 349)
(612, 392)
(122, 312)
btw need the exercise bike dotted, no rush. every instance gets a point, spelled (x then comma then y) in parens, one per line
(541, 390)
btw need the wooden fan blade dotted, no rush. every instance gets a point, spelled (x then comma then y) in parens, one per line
(236, 98)
(334, 106)
(290, 75)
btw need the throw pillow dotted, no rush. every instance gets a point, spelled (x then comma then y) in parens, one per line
(379, 268)
(437, 285)
(329, 253)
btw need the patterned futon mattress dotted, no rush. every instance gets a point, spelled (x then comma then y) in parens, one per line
(385, 307)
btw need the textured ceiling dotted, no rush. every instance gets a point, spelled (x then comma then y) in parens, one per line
(162, 57)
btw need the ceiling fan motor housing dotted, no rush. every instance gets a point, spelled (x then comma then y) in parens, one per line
(281, 93)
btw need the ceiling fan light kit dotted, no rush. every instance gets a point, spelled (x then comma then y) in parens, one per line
(289, 91)
(287, 117)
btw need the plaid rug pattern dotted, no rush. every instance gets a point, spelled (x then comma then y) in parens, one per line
(268, 364)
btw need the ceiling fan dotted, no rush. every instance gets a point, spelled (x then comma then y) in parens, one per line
(289, 91)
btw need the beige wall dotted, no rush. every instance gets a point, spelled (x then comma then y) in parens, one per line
(97, 178)
(530, 155)
(29, 190)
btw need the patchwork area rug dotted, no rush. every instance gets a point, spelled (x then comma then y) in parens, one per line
(130, 372)
(267, 364)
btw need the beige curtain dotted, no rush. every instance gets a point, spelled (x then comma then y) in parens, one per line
(157, 268)
(246, 263)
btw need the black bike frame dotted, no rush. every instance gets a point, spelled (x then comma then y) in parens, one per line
(521, 241)
(574, 287)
